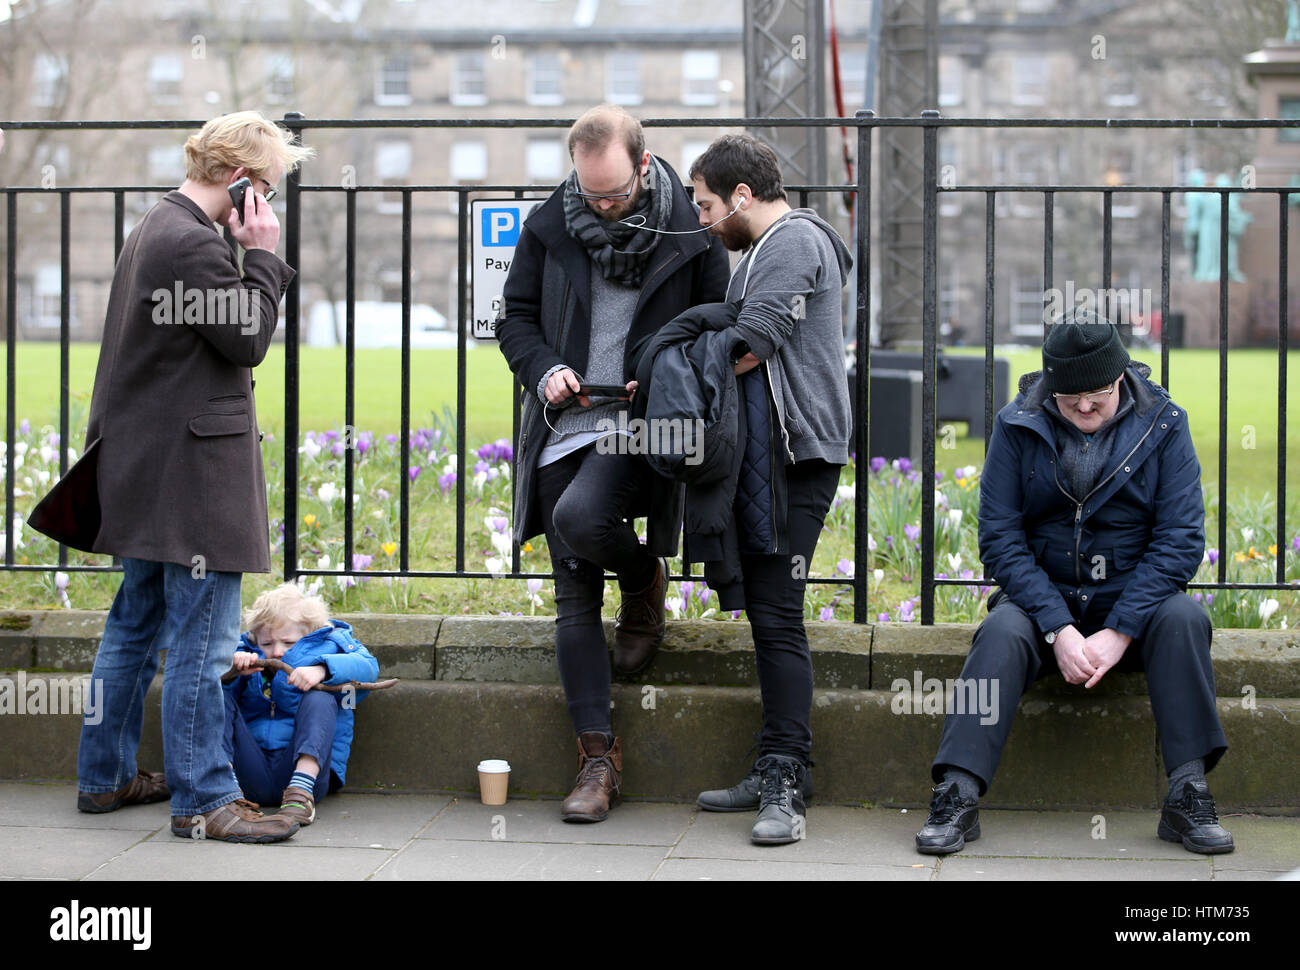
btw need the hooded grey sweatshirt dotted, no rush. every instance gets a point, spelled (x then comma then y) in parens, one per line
(791, 317)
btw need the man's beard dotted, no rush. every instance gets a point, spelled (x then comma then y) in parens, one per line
(735, 236)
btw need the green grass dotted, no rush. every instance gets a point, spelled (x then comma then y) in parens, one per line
(1252, 401)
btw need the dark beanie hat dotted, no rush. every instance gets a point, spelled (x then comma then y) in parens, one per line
(1082, 353)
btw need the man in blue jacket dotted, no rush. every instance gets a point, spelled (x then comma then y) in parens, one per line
(1092, 523)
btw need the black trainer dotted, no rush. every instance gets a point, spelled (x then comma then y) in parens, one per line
(953, 822)
(781, 807)
(744, 796)
(1193, 821)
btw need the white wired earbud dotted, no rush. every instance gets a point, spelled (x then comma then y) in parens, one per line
(679, 232)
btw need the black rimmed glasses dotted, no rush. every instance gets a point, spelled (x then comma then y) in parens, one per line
(611, 196)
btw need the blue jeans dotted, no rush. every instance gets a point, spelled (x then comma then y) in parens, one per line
(161, 605)
(264, 774)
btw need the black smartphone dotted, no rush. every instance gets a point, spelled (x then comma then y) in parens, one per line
(604, 390)
(237, 191)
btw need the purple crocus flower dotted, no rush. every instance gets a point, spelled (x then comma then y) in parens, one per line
(889, 542)
(447, 481)
(703, 594)
(534, 586)
(827, 613)
(877, 463)
(938, 476)
(382, 494)
(1198, 597)
(844, 567)
(735, 614)
(904, 465)
(686, 588)
(1295, 543)
(414, 472)
(363, 443)
(25, 427)
(337, 449)
(361, 562)
(913, 532)
(481, 466)
(882, 617)
(1213, 555)
(391, 438)
(905, 609)
(331, 435)
(500, 523)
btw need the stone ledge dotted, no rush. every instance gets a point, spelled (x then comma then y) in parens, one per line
(1091, 753)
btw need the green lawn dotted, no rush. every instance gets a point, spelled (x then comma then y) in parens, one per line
(1252, 401)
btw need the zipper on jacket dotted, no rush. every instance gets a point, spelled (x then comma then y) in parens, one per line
(780, 414)
(1078, 512)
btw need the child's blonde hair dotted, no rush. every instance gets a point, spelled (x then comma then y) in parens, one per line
(286, 603)
(244, 138)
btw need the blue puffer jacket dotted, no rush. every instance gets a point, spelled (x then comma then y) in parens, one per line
(270, 720)
(1116, 554)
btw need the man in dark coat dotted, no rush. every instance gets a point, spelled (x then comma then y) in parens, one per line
(180, 482)
(1092, 523)
(607, 260)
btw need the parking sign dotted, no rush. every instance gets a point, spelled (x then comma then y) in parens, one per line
(495, 233)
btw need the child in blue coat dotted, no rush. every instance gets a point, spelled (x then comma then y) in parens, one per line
(289, 744)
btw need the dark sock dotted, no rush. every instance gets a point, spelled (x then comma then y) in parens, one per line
(968, 785)
(1193, 770)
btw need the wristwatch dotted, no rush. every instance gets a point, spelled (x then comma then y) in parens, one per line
(1050, 635)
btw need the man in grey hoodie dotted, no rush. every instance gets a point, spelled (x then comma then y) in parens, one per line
(788, 286)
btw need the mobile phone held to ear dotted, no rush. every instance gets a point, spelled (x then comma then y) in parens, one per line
(237, 191)
(604, 390)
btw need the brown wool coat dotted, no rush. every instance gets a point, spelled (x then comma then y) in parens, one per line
(180, 468)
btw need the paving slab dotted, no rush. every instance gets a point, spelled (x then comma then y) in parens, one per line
(371, 821)
(1262, 842)
(538, 820)
(1073, 835)
(180, 859)
(960, 868)
(56, 805)
(855, 836)
(33, 851)
(522, 861)
(701, 870)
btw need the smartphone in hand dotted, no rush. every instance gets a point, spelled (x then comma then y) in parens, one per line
(604, 390)
(237, 191)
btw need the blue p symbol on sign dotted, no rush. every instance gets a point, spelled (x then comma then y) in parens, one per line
(500, 227)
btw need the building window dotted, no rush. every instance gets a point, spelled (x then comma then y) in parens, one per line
(545, 79)
(950, 80)
(469, 79)
(1121, 89)
(166, 164)
(165, 74)
(700, 71)
(279, 77)
(691, 150)
(853, 79)
(1027, 303)
(545, 160)
(1288, 109)
(469, 161)
(623, 77)
(393, 82)
(392, 167)
(49, 80)
(1029, 80)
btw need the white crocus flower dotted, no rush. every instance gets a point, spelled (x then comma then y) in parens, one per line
(940, 500)
(674, 606)
(954, 563)
(954, 517)
(878, 575)
(328, 492)
(501, 543)
(1247, 534)
(496, 566)
(1267, 609)
(309, 448)
(846, 493)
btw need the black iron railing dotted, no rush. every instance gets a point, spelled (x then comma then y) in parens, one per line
(865, 123)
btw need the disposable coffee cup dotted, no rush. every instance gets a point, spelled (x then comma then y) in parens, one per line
(493, 781)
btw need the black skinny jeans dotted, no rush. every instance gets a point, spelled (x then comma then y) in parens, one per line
(586, 502)
(774, 595)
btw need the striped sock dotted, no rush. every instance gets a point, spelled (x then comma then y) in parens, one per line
(303, 781)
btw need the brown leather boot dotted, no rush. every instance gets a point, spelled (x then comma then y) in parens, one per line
(600, 779)
(238, 821)
(639, 629)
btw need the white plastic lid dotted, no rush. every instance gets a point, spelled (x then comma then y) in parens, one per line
(494, 766)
